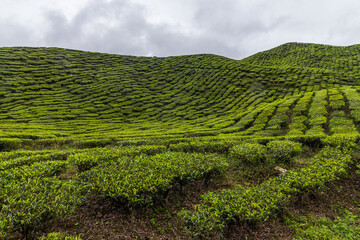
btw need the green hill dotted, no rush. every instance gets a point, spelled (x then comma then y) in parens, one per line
(51, 92)
(90, 142)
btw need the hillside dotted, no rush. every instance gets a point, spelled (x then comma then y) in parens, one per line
(47, 92)
(123, 147)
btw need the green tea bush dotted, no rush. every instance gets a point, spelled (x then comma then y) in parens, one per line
(28, 160)
(249, 152)
(18, 154)
(354, 103)
(93, 157)
(297, 126)
(250, 204)
(278, 120)
(7, 144)
(33, 200)
(30, 201)
(283, 150)
(58, 236)
(140, 180)
(317, 116)
(200, 147)
(342, 228)
(31, 194)
(342, 141)
(259, 202)
(312, 141)
(328, 165)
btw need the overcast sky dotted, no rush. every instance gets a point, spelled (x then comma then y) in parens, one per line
(231, 28)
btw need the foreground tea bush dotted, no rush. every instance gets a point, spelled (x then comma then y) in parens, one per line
(274, 151)
(32, 194)
(343, 141)
(9, 144)
(259, 202)
(249, 152)
(345, 227)
(87, 159)
(140, 180)
(283, 151)
(34, 158)
(58, 236)
(200, 146)
(31, 201)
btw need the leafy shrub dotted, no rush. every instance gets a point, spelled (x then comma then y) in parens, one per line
(328, 165)
(200, 146)
(31, 194)
(259, 202)
(251, 204)
(88, 159)
(313, 141)
(32, 200)
(283, 150)
(344, 141)
(341, 228)
(28, 160)
(140, 180)
(7, 144)
(249, 152)
(58, 236)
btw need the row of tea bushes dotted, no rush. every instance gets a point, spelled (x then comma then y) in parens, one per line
(259, 202)
(31, 194)
(340, 124)
(59, 236)
(87, 159)
(278, 120)
(201, 146)
(317, 117)
(354, 103)
(297, 125)
(142, 179)
(336, 99)
(28, 159)
(274, 151)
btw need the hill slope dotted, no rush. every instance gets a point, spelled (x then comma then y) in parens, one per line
(101, 146)
(51, 92)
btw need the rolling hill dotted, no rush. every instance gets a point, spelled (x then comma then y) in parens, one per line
(50, 92)
(90, 140)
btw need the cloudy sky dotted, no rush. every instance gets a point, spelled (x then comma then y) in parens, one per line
(232, 28)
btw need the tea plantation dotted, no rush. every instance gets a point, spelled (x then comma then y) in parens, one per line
(102, 146)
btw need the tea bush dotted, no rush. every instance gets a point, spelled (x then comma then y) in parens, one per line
(58, 236)
(31, 194)
(283, 150)
(259, 202)
(140, 180)
(249, 152)
(344, 227)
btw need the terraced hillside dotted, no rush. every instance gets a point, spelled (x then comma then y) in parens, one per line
(180, 147)
(49, 92)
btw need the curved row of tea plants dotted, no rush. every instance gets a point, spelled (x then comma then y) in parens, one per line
(142, 179)
(259, 202)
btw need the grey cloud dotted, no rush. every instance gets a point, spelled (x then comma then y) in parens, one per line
(164, 42)
(232, 28)
(121, 27)
(101, 26)
(15, 34)
(238, 23)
